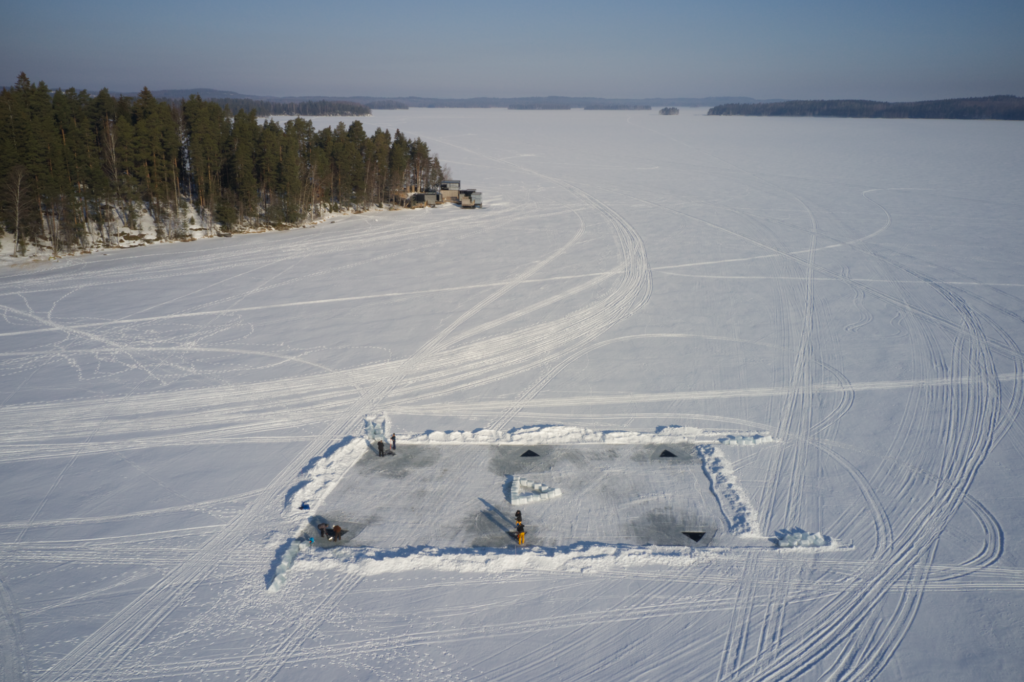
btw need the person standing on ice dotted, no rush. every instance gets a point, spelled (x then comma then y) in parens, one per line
(519, 516)
(380, 448)
(393, 446)
(520, 533)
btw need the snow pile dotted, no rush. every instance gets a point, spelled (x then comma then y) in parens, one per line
(281, 573)
(579, 558)
(800, 538)
(556, 435)
(741, 440)
(319, 477)
(734, 503)
(525, 491)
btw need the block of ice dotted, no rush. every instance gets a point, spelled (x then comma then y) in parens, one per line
(280, 575)
(799, 538)
(525, 491)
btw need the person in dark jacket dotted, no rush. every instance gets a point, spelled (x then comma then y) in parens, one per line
(393, 446)
(380, 448)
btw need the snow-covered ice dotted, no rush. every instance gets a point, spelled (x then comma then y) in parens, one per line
(458, 495)
(827, 312)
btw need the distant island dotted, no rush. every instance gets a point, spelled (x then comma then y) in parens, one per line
(669, 111)
(1001, 107)
(617, 107)
(541, 106)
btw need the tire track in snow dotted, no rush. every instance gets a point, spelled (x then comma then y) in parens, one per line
(632, 294)
(978, 421)
(104, 651)
(12, 640)
(934, 318)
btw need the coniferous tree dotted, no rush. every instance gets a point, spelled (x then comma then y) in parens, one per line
(75, 166)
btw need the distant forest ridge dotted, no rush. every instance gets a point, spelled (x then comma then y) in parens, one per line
(467, 103)
(1001, 107)
(265, 108)
(541, 105)
(592, 103)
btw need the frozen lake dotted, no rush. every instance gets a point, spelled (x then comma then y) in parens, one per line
(851, 288)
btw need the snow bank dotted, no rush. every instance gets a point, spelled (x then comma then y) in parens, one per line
(734, 503)
(580, 558)
(554, 435)
(742, 440)
(320, 476)
(800, 538)
(525, 491)
(287, 560)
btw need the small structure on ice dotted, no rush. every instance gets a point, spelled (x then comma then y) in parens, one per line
(449, 192)
(470, 198)
(525, 491)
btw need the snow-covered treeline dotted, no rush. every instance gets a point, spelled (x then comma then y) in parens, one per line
(78, 171)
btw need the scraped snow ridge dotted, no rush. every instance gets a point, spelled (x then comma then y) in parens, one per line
(555, 435)
(578, 558)
(799, 538)
(525, 491)
(281, 574)
(734, 503)
(740, 440)
(321, 475)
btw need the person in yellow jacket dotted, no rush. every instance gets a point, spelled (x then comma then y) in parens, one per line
(520, 533)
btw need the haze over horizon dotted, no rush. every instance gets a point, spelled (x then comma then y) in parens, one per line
(783, 50)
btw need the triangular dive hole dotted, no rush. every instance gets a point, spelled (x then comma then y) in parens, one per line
(529, 453)
(666, 453)
(692, 534)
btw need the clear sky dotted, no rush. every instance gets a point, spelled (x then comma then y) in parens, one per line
(793, 49)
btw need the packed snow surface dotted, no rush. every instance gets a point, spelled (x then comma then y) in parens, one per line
(827, 311)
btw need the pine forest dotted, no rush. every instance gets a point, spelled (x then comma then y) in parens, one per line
(78, 170)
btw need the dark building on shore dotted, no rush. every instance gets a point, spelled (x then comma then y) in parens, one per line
(449, 192)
